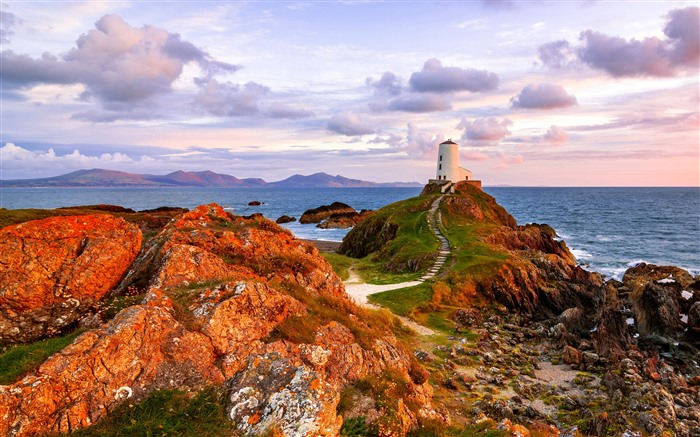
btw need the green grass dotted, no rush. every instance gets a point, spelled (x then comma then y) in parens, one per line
(341, 264)
(438, 429)
(373, 271)
(15, 216)
(17, 361)
(402, 301)
(394, 241)
(167, 412)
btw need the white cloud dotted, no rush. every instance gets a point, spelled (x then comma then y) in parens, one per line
(350, 124)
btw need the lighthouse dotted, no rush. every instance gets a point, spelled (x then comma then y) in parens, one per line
(448, 168)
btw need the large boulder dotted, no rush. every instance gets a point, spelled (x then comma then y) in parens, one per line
(53, 271)
(344, 220)
(657, 299)
(317, 215)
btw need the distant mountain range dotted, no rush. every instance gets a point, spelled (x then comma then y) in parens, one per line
(110, 178)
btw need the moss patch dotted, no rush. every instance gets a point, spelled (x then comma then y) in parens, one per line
(17, 361)
(167, 412)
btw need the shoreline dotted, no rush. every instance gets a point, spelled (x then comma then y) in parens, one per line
(323, 245)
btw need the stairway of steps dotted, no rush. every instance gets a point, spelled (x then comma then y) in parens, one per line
(435, 217)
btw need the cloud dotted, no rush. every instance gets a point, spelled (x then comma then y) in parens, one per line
(423, 102)
(678, 52)
(436, 78)
(556, 136)
(388, 85)
(620, 57)
(13, 156)
(499, 4)
(508, 160)
(115, 62)
(281, 110)
(683, 30)
(543, 96)
(557, 54)
(417, 143)
(228, 99)
(485, 130)
(474, 155)
(350, 124)
(420, 143)
(8, 20)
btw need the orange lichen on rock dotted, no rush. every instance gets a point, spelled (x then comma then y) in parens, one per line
(53, 270)
(142, 349)
(217, 287)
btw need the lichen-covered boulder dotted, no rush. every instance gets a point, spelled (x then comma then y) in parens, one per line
(52, 271)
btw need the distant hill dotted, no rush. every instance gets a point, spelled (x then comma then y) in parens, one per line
(320, 180)
(110, 178)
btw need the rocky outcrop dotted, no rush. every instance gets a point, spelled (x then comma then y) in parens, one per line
(532, 237)
(227, 301)
(317, 215)
(285, 219)
(344, 220)
(142, 349)
(470, 203)
(55, 270)
(660, 298)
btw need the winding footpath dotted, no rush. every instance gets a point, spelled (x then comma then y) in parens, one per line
(358, 290)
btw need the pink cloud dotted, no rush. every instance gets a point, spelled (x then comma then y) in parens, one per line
(556, 136)
(118, 64)
(485, 129)
(350, 124)
(436, 78)
(543, 96)
(678, 52)
(474, 156)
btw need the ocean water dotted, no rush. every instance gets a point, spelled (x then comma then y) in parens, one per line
(276, 201)
(612, 229)
(608, 229)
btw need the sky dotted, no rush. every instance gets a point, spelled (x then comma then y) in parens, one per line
(536, 93)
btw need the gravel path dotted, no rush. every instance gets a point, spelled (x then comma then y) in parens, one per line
(358, 290)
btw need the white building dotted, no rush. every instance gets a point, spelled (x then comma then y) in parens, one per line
(448, 168)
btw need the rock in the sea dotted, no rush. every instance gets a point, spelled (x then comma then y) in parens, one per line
(317, 215)
(254, 203)
(53, 271)
(344, 220)
(285, 219)
(657, 297)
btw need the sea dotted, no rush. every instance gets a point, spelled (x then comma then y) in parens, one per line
(607, 229)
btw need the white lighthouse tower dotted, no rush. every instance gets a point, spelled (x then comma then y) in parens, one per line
(448, 168)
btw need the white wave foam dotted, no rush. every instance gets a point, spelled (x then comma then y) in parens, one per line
(668, 280)
(684, 318)
(686, 294)
(607, 238)
(630, 320)
(637, 262)
(581, 254)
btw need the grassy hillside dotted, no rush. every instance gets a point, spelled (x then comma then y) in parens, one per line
(395, 238)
